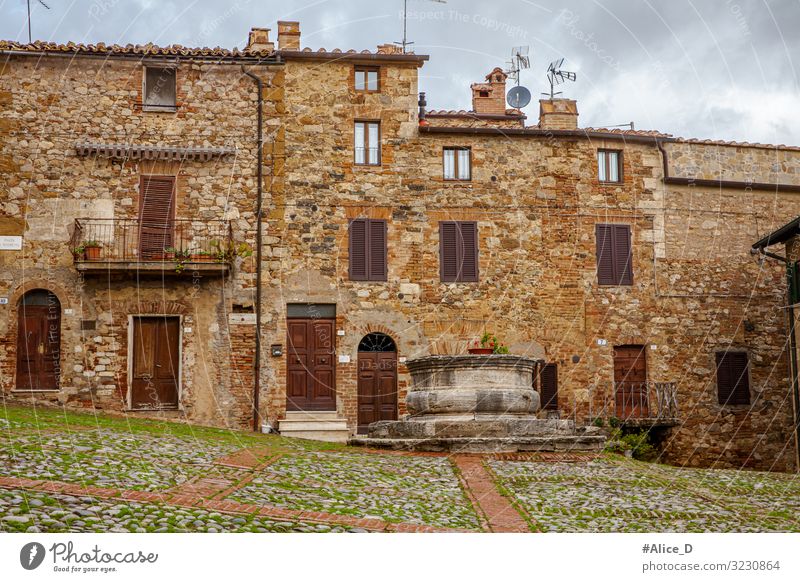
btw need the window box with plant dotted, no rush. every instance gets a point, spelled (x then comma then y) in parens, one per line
(487, 344)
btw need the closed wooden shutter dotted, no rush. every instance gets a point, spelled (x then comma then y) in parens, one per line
(548, 387)
(733, 382)
(448, 251)
(622, 254)
(376, 246)
(458, 251)
(358, 249)
(156, 214)
(368, 252)
(469, 251)
(614, 261)
(605, 254)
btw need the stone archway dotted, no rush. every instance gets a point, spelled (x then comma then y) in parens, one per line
(377, 380)
(38, 341)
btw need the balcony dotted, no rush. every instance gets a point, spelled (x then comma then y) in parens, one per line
(636, 404)
(128, 245)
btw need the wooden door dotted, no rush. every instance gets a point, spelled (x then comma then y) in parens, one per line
(630, 382)
(38, 342)
(156, 363)
(156, 216)
(377, 388)
(311, 370)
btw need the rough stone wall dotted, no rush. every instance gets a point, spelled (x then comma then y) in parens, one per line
(536, 200)
(695, 284)
(49, 105)
(736, 163)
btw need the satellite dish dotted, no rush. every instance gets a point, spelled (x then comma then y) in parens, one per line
(518, 97)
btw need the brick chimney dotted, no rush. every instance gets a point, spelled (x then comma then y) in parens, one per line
(558, 114)
(490, 97)
(288, 35)
(259, 40)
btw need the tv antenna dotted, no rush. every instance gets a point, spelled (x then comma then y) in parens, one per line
(30, 39)
(556, 76)
(405, 42)
(519, 61)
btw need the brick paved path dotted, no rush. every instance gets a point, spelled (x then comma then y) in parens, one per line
(498, 511)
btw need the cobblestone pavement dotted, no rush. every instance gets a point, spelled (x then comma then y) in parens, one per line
(35, 511)
(409, 489)
(616, 495)
(65, 471)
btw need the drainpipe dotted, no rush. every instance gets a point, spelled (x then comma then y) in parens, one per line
(793, 364)
(259, 201)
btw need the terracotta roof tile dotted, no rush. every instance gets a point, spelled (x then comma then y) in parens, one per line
(148, 49)
(654, 133)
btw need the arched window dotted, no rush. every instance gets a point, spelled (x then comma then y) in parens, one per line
(377, 342)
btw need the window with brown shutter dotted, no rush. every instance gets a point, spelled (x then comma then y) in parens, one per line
(548, 387)
(368, 250)
(614, 261)
(733, 378)
(458, 251)
(156, 215)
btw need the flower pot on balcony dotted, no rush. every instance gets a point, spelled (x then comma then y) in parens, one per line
(93, 253)
(481, 351)
(202, 258)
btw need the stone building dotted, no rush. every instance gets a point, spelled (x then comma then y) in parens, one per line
(389, 231)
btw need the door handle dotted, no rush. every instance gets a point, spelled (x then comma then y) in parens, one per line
(40, 349)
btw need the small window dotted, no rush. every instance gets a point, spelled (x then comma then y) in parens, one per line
(457, 163)
(368, 143)
(483, 93)
(614, 261)
(548, 387)
(733, 382)
(458, 252)
(609, 165)
(367, 79)
(159, 89)
(368, 250)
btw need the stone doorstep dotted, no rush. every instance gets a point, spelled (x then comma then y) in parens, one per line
(318, 426)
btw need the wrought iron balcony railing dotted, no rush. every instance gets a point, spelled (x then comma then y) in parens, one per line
(648, 403)
(125, 243)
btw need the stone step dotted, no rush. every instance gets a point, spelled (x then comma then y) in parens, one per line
(561, 443)
(312, 415)
(317, 426)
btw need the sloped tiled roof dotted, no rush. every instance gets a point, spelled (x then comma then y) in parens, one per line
(148, 49)
(463, 112)
(658, 134)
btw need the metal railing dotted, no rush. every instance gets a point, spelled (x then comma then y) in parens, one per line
(126, 240)
(635, 401)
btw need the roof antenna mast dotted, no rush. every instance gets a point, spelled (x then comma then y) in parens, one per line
(405, 42)
(556, 76)
(30, 39)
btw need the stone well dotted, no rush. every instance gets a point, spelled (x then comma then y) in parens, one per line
(477, 403)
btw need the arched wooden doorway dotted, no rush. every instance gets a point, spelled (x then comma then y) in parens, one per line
(377, 380)
(38, 341)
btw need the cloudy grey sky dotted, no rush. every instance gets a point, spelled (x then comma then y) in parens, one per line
(721, 69)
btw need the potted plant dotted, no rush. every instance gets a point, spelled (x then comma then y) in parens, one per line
(79, 253)
(93, 250)
(488, 344)
(226, 252)
(180, 257)
(169, 254)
